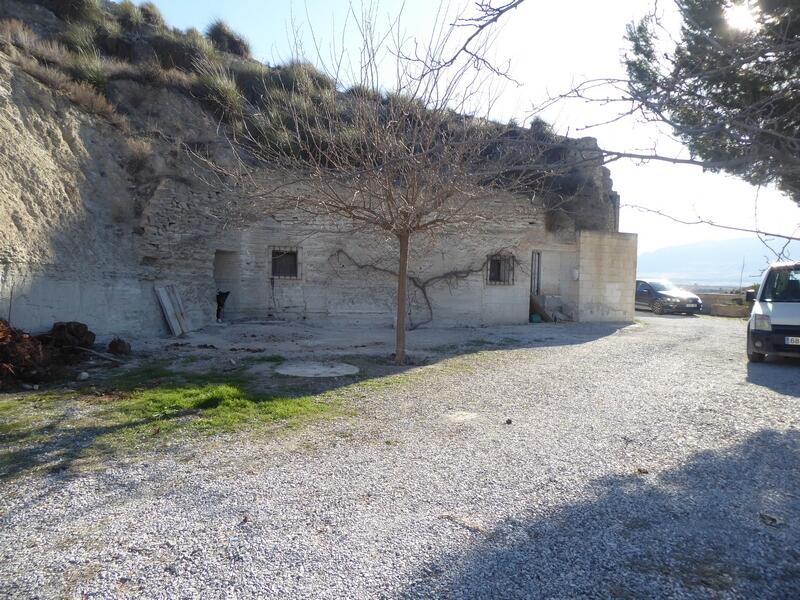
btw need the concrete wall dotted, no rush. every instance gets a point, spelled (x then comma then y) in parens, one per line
(607, 276)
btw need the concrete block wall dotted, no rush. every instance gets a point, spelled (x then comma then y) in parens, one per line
(606, 276)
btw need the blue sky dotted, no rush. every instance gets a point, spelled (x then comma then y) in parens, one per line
(550, 46)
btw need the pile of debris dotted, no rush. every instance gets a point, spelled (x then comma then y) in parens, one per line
(22, 356)
(68, 335)
(31, 359)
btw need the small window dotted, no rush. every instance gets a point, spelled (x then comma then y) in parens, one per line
(500, 269)
(285, 263)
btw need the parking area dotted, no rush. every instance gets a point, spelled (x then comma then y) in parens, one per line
(539, 461)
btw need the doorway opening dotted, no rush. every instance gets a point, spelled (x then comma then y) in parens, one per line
(536, 273)
(536, 311)
(227, 278)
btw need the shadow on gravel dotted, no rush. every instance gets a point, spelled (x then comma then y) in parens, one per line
(727, 524)
(541, 335)
(779, 374)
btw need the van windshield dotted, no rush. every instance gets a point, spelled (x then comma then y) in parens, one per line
(782, 285)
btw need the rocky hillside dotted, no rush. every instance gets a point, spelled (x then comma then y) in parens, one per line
(97, 194)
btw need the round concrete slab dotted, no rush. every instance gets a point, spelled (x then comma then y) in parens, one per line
(316, 369)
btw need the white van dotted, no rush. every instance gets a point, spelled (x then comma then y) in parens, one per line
(774, 326)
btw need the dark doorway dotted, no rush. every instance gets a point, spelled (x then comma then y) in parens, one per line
(227, 278)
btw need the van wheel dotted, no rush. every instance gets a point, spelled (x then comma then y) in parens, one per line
(657, 307)
(755, 357)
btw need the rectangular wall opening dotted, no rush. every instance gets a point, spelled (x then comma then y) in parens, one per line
(228, 278)
(285, 262)
(536, 273)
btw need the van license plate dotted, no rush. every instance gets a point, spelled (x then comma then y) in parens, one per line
(792, 341)
(691, 306)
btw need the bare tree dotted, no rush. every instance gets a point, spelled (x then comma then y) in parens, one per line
(400, 150)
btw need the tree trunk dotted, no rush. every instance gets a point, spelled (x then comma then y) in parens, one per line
(402, 295)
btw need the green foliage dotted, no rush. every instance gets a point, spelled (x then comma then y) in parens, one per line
(89, 67)
(365, 93)
(543, 131)
(251, 77)
(109, 38)
(152, 15)
(217, 87)
(301, 77)
(129, 15)
(268, 128)
(729, 94)
(76, 10)
(79, 37)
(227, 40)
(181, 50)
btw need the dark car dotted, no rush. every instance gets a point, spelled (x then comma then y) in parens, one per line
(662, 296)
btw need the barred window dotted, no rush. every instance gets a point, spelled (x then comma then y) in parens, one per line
(500, 269)
(285, 262)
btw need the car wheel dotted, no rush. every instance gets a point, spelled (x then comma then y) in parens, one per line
(657, 307)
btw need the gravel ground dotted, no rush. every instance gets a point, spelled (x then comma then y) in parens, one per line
(648, 463)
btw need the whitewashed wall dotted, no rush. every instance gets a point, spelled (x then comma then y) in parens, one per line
(607, 284)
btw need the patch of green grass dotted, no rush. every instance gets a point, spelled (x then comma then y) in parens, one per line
(211, 407)
(218, 88)
(129, 15)
(76, 10)
(227, 40)
(251, 77)
(89, 67)
(79, 37)
(152, 15)
(301, 77)
(181, 50)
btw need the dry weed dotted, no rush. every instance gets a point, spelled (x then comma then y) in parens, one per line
(139, 152)
(14, 31)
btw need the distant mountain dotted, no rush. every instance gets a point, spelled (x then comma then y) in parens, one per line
(717, 263)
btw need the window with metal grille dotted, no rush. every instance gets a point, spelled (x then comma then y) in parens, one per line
(285, 263)
(500, 269)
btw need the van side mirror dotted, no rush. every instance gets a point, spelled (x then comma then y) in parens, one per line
(750, 295)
